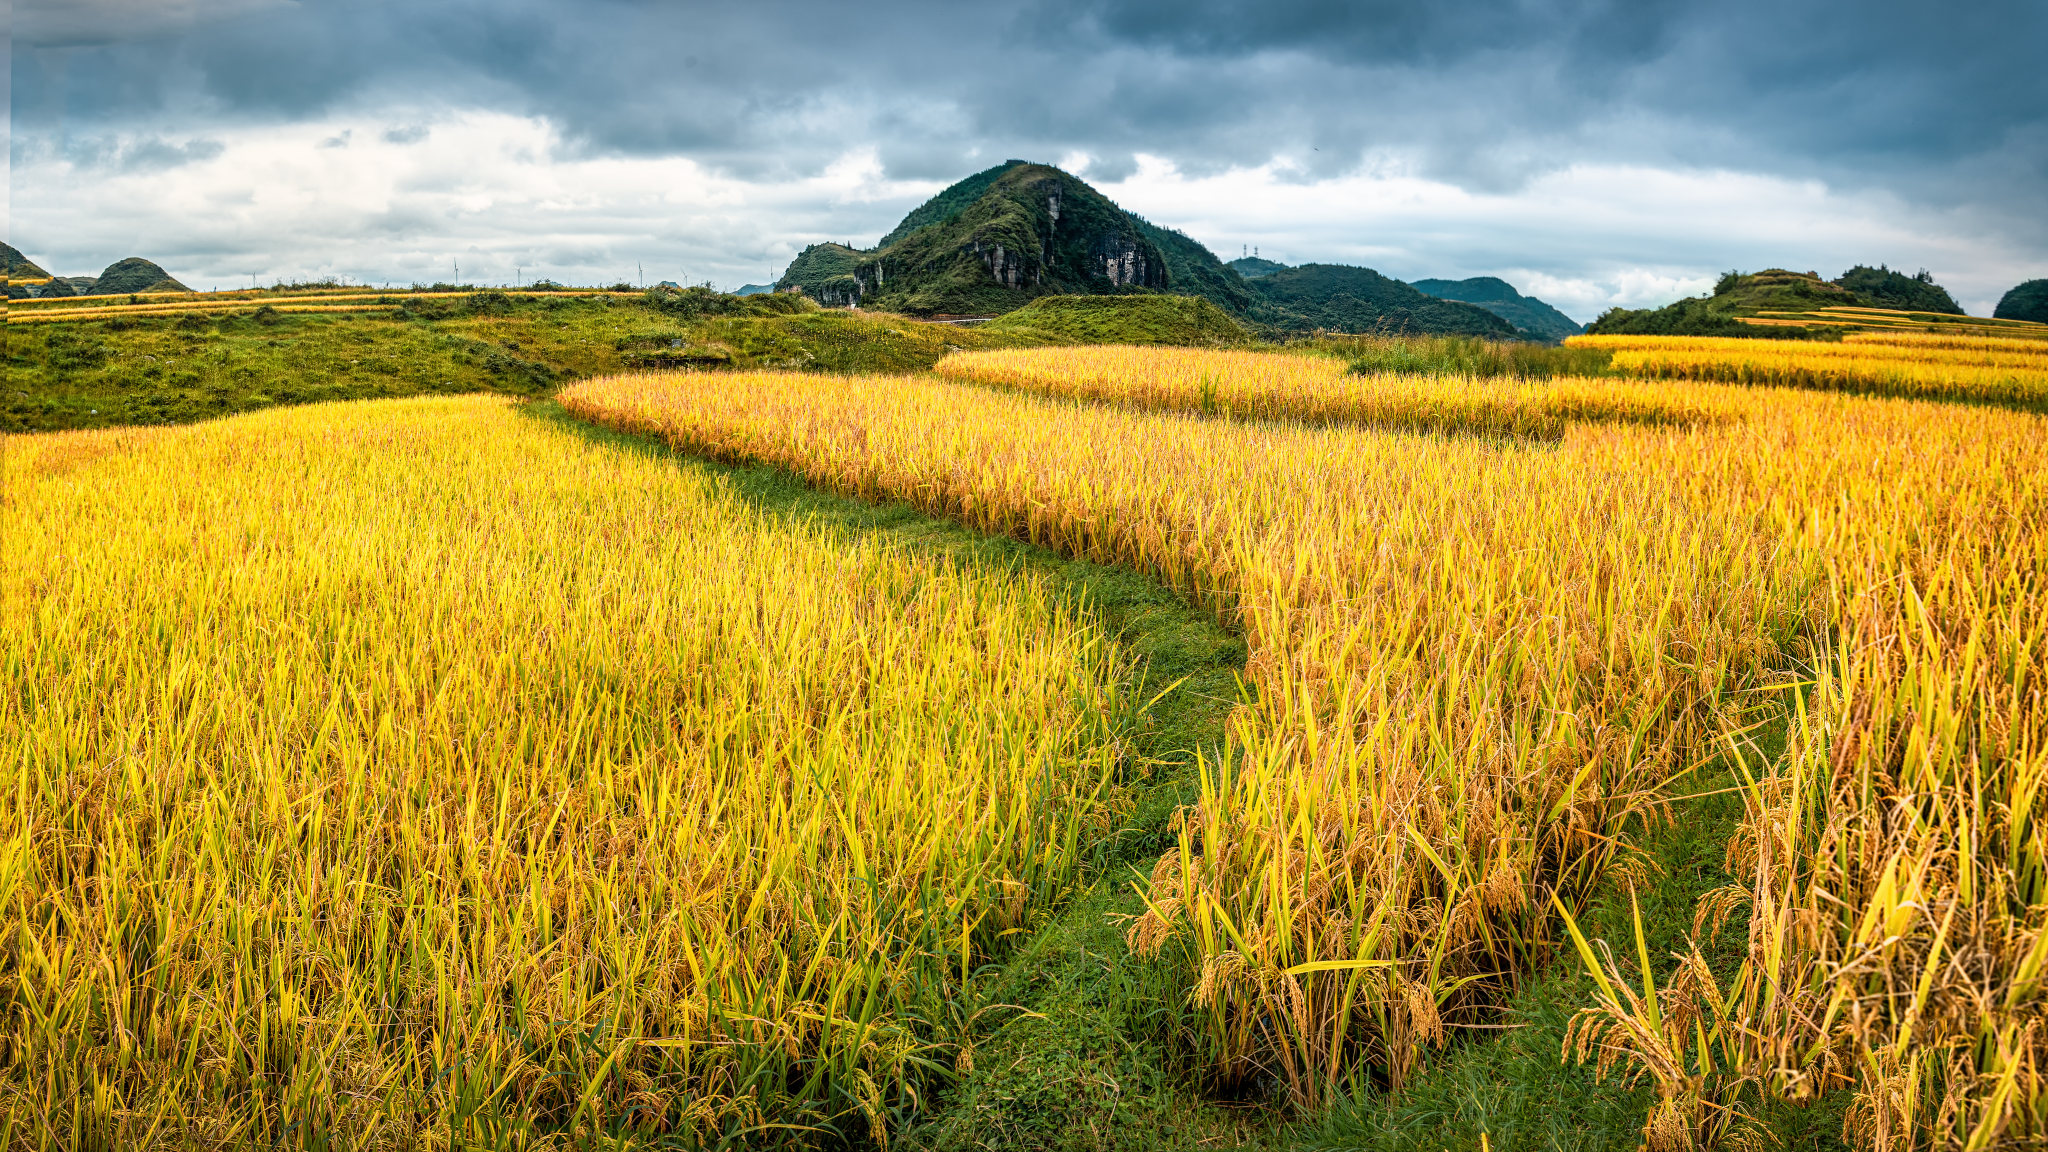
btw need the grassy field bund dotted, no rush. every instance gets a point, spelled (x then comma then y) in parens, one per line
(1649, 733)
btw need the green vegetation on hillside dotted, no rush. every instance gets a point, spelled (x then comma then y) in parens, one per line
(1341, 298)
(1035, 231)
(1013, 233)
(824, 272)
(20, 267)
(948, 203)
(1252, 267)
(2028, 301)
(1008, 235)
(134, 275)
(1497, 296)
(1148, 319)
(1880, 287)
(1787, 302)
(1193, 270)
(1470, 356)
(1692, 316)
(162, 369)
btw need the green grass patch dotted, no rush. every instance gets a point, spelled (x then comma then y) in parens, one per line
(177, 368)
(1147, 319)
(1470, 356)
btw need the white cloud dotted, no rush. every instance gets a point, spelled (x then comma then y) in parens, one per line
(403, 201)
(507, 196)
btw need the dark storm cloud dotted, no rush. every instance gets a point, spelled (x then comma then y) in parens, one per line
(1483, 93)
(1944, 104)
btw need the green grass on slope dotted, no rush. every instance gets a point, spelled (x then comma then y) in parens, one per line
(1148, 319)
(177, 368)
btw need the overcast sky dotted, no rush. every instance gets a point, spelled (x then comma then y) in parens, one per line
(1592, 153)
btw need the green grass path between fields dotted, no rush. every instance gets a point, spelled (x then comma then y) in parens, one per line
(1069, 1050)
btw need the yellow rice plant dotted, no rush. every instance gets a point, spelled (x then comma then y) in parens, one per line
(1318, 389)
(1896, 866)
(1856, 346)
(1998, 377)
(1474, 661)
(2036, 346)
(419, 774)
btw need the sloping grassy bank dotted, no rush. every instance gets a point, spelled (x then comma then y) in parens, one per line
(173, 367)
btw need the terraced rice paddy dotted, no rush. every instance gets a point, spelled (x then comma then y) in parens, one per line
(582, 801)
(1320, 389)
(1994, 370)
(1478, 665)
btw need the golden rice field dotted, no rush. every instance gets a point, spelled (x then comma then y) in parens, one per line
(425, 772)
(1478, 664)
(419, 774)
(2035, 346)
(1988, 370)
(1320, 389)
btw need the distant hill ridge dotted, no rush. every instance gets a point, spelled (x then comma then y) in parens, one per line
(20, 267)
(1003, 237)
(1784, 300)
(1252, 267)
(2028, 301)
(1341, 298)
(1499, 297)
(122, 277)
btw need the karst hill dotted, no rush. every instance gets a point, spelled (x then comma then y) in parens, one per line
(1004, 237)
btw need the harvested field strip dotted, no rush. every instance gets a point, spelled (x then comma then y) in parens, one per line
(419, 766)
(1473, 664)
(1320, 389)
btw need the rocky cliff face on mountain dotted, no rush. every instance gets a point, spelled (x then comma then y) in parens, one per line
(1032, 231)
(1006, 236)
(1017, 232)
